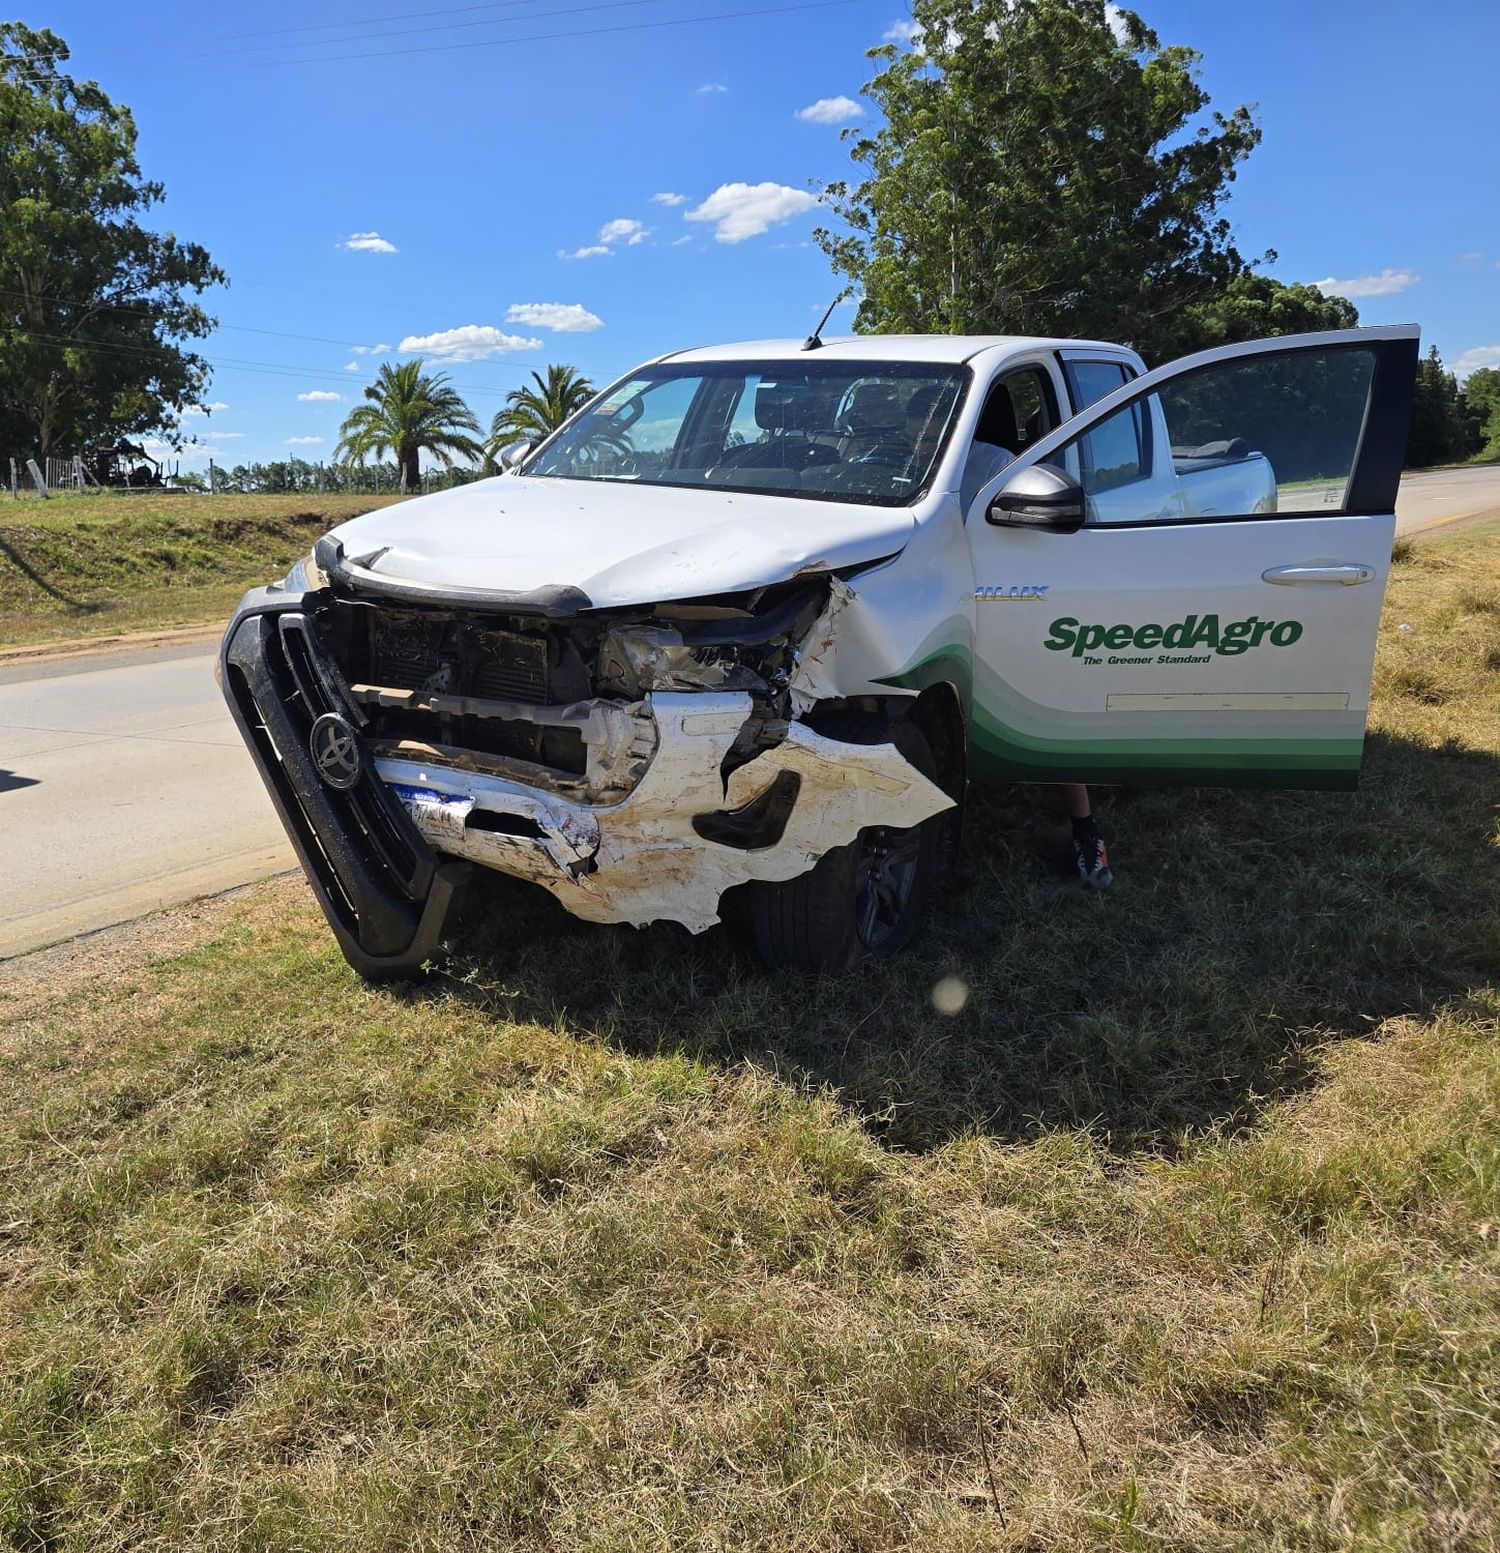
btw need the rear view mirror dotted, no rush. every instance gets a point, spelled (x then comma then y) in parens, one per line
(1042, 496)
(513, 452)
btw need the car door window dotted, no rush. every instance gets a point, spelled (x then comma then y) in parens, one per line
(1019, 409)
(1237, 438)
(1091, 380)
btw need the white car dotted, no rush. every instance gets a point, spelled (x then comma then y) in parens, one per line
(753, 619)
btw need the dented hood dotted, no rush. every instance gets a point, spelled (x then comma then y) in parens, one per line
(619, 544)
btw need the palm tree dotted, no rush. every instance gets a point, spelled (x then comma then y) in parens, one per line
(410, 412)
(533, 413)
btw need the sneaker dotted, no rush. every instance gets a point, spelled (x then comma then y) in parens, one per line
(1092, 862)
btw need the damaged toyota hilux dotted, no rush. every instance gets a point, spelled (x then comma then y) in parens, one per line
(754, 617)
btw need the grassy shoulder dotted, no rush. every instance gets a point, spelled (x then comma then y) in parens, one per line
(78, 566)
(1181, 1233)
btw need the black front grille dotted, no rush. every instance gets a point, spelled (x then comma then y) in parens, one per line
(418, 652)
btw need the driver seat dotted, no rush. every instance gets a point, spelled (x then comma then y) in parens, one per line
(788, 410)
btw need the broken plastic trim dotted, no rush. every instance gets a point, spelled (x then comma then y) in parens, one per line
(760, 823)
(355, 574)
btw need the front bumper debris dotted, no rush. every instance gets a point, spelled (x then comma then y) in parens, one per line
(644, 859)
(666, 813)
(386, 894)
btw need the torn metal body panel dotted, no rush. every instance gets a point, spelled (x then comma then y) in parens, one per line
(645, 859)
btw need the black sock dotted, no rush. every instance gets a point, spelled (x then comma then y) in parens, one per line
(1085, 831)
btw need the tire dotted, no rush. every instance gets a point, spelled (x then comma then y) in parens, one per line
(861, 900)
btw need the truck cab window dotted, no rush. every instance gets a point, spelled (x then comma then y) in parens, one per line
(1235, 439)
(1091, 380)
(1019, 408)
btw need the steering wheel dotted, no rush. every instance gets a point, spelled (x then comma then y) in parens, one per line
(889, 451)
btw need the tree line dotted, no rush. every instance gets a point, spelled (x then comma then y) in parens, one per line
(1037, 167)
(1453, 421)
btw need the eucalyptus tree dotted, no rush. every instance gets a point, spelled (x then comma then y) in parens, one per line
(409, 412)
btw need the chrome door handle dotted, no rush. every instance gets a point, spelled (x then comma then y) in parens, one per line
(1291, 576)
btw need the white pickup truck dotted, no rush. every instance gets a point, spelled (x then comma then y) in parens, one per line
(753, 619)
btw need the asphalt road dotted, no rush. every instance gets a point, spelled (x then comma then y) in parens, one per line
(124, 786)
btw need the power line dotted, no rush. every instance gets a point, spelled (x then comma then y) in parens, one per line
(131, 307)
(46, 78)
(285, 369)
(360, 21)
(408, 32)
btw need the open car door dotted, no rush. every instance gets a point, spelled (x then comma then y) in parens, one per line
(1183, 583)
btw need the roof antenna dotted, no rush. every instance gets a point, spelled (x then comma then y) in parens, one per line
(813, 342)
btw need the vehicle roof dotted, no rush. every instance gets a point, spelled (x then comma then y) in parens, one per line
(890, 347)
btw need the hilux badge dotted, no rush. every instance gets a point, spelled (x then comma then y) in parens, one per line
(335, 751)
(1002, 594)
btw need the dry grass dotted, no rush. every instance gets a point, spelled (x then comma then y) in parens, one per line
(1181, 1234)
(82, 565)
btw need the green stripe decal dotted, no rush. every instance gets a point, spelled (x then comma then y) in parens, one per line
(999, 750)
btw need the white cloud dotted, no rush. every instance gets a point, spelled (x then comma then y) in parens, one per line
(319, 396)
(203, 409)
(1472, 257)
(190, 453)
(591, 251)
(302, 442)
(368, 242)
(741, 210)
(622, 230)
(1115, 20)
(1384, 284)
(565, 317)
(669, 199)
(1473, 360)
(830, 110)
(709, 88)
(353, 366)
(902, 32)
(677, 242)
(370, 350)
(469, 342)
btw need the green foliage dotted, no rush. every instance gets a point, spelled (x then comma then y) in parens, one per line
(533, 413)
(1255, 307)
(410, 412)
(1036, 175)
(1444, 428)
(93, 307)
(1481, 395)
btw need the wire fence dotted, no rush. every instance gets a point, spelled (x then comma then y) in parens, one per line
(65, 474)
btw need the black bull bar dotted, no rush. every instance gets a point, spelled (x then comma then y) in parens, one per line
(385, 892)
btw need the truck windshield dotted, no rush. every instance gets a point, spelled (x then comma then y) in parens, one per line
(867, 432)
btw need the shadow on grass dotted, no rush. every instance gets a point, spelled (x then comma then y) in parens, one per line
(27, 570)
(1245, 929)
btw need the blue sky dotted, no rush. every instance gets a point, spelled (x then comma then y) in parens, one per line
(457, 183)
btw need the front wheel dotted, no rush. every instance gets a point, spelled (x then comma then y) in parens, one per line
(865, 898)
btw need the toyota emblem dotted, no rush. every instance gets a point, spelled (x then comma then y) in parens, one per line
(335, 751)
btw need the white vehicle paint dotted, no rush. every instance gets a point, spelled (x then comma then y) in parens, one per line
(753, 608)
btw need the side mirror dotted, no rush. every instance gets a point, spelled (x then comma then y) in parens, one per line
(1042, 496)
(513, 452)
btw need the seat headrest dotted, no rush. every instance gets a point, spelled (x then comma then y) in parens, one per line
(874, 408)
(787, 404)
(997, 421)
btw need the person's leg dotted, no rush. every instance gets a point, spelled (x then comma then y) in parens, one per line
(1089, 854)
